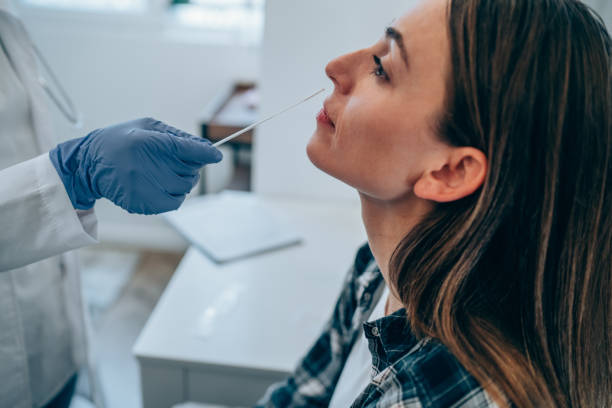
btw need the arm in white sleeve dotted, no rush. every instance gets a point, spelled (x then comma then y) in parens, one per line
(37, 219)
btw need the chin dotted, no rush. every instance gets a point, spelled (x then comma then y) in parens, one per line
(313, 151)
(320, 155)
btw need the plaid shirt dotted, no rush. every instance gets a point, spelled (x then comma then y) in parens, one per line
(405, 373)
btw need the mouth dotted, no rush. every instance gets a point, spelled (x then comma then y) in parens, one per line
(324, 119)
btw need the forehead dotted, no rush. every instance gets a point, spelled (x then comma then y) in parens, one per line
(425, 34)
(424, 28)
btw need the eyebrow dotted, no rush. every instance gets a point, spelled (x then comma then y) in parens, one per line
(393, 34)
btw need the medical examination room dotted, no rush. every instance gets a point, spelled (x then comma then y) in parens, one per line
(323, 203)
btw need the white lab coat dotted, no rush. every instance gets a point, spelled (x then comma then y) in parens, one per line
(43, 327)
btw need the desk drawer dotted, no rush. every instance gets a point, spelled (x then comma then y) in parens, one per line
(230, 387)
(162, 385)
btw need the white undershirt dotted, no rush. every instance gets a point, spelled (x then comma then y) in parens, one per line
(355, 375)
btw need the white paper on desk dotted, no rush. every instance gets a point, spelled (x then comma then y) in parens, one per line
(232, 225)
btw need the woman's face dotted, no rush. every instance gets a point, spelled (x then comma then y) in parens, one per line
(376, 131)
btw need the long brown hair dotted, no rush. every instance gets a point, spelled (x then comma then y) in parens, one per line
(516, 279)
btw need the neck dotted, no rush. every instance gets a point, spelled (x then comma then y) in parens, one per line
(387, 223)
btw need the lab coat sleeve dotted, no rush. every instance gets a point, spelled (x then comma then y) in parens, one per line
(37, 219)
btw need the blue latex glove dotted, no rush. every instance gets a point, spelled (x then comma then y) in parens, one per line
(144, 166)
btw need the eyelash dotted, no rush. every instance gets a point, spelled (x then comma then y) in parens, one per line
(379, 70)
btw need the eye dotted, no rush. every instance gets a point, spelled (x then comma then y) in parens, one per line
(379, 70)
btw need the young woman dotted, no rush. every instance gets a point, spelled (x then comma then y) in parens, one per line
(477, 133)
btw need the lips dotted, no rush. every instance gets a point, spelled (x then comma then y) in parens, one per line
(323, 117)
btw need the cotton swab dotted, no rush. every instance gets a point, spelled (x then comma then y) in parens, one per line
(246, 129)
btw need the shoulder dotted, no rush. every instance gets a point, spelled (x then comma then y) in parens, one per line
(430, 376)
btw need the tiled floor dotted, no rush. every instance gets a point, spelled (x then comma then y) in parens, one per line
(117, 328)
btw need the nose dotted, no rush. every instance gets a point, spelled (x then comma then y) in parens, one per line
(340, 70)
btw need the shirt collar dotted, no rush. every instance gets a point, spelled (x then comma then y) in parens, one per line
(389, 339)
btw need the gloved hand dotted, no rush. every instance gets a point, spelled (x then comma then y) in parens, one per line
(144, 166)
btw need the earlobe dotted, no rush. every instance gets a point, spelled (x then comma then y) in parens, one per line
(462, 174)
(424, 188)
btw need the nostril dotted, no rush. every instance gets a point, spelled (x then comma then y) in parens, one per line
(339, 83)
(332, 77)
(336, 73)
(331, 71)
(335, 82)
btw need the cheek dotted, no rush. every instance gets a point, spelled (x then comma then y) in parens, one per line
(337, 151)
(360, 122)
(369, 150)
(360, 163)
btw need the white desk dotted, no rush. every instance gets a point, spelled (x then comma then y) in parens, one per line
(269, 310)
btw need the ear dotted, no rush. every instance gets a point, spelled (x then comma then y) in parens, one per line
(462, 172)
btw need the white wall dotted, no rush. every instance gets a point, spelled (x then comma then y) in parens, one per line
(121, 67)
(604, 9)
(300, 38)
(118, 67)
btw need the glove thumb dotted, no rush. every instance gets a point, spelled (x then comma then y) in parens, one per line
(196, 150)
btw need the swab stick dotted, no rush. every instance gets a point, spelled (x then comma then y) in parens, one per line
(246, 129)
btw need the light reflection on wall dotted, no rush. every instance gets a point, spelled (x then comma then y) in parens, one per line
(222, 14)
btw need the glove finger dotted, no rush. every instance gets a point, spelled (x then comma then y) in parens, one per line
(181, 185)
(159, 126)
(168, 203)
(197, 151)
(163, 190)
(184, 168)
(145, 193)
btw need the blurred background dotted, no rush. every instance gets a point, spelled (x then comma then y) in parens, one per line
(209, 67)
